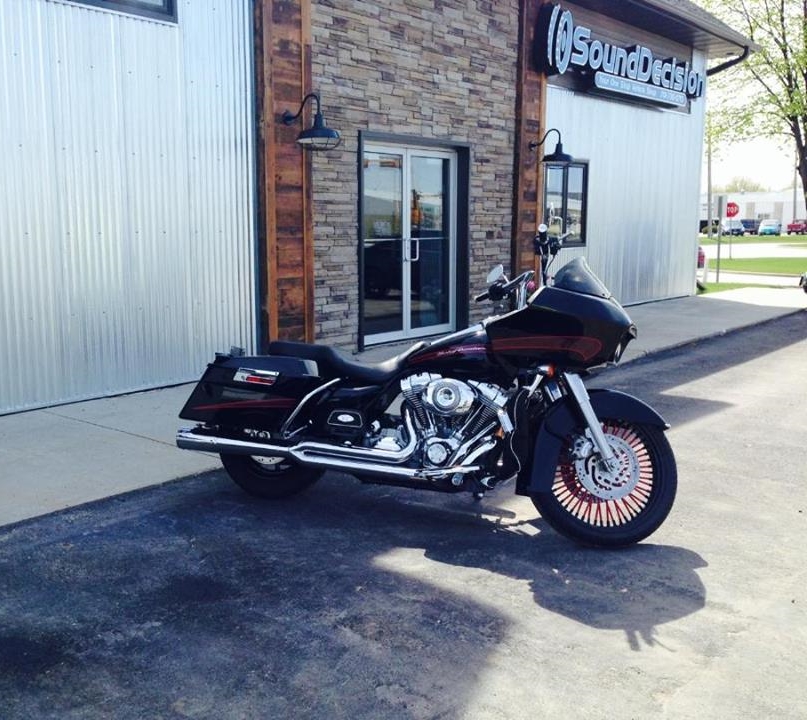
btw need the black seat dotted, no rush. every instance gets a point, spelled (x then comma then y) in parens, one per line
(335, 363)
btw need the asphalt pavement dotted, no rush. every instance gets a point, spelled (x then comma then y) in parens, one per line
(60, 457)
(349, 602)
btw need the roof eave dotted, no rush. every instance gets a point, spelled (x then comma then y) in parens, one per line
(679, 20)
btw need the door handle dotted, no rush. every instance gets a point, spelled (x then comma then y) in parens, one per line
(417, 250)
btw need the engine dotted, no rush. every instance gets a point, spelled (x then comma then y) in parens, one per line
(452, 417)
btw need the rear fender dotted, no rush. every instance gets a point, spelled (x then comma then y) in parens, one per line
(564, 416)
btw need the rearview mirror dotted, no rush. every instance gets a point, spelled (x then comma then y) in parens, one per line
(496, 274)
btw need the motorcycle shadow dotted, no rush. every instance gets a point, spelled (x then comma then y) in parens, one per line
(633, 589)
(347, 601)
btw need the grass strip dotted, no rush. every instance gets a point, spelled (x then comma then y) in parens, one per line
(786, 240)
(720, 287)
(765, 266)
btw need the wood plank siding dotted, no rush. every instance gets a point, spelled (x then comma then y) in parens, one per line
(285, 225)
(530, 113)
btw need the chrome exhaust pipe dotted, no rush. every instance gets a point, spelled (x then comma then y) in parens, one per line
(187, 439)
(395, 457)
(360, 461)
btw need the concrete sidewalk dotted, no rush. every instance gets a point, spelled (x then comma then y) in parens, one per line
(59, 457)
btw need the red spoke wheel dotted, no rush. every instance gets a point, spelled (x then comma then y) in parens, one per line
(611, 507)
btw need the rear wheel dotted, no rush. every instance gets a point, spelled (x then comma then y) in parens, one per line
(596, 506)
(269, 477)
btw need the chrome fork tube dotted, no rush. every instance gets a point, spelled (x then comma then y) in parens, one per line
(580, 394)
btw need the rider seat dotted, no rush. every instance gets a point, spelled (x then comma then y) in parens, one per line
(333, 363)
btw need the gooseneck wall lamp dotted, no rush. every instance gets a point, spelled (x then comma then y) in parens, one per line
(319, 136)
(557, 155)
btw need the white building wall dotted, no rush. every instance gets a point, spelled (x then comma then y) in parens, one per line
(126, 197)
(762, 205)
(643, 190)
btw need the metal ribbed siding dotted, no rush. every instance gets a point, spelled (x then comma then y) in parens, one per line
(126, 197)
(643, 191)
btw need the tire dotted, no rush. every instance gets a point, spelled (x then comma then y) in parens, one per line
(270, 478)
(618, 511)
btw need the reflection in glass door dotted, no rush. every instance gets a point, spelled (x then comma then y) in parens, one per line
(408, 247)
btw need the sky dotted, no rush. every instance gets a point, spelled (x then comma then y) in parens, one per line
(763, 160)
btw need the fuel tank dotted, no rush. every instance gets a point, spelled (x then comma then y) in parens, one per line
(466, 353)
(576, 323)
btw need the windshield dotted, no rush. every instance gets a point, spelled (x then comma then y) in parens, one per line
(577, 276)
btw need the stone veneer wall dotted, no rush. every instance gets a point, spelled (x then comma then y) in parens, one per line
(439, 69)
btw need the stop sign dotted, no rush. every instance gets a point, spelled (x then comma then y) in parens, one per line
(732, 209)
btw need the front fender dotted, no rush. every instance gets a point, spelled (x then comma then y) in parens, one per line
(564, 416)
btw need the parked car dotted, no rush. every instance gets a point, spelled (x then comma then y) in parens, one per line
(727, 227)
(751, 226)
(797, 227)
(733, 227)
(770, 227)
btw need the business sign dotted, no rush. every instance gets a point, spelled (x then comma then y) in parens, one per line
(634, 71)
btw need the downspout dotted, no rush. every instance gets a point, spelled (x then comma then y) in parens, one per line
(729, 63)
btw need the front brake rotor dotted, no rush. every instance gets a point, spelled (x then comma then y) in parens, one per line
(597, 478)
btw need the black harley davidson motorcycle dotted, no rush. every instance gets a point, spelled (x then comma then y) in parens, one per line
(501, 401)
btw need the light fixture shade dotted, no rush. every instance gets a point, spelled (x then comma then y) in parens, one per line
(558, 156)
(319, 136)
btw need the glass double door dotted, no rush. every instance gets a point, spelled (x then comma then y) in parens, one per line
(408, 242)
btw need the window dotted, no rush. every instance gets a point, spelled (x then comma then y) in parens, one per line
(413, 237)
(565, 195)
(157, 9)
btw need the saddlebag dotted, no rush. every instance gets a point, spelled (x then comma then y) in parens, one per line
(250, 391)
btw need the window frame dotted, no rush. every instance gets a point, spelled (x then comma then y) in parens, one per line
(564, 167)
(138, 8)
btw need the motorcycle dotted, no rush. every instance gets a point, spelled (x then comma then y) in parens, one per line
(502, 401)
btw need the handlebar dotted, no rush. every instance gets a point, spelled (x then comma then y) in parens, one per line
(546, 248)
(500, 290)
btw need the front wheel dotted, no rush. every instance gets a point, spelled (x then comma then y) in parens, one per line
(268, 477)
(596, 506)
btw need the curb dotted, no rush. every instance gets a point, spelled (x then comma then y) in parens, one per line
(711, 336)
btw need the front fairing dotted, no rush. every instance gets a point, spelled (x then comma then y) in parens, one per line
(575, 323)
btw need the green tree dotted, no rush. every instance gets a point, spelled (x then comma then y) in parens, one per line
(767, 94)
(740, 184)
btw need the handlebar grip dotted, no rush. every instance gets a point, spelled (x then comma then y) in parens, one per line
(498, 291)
